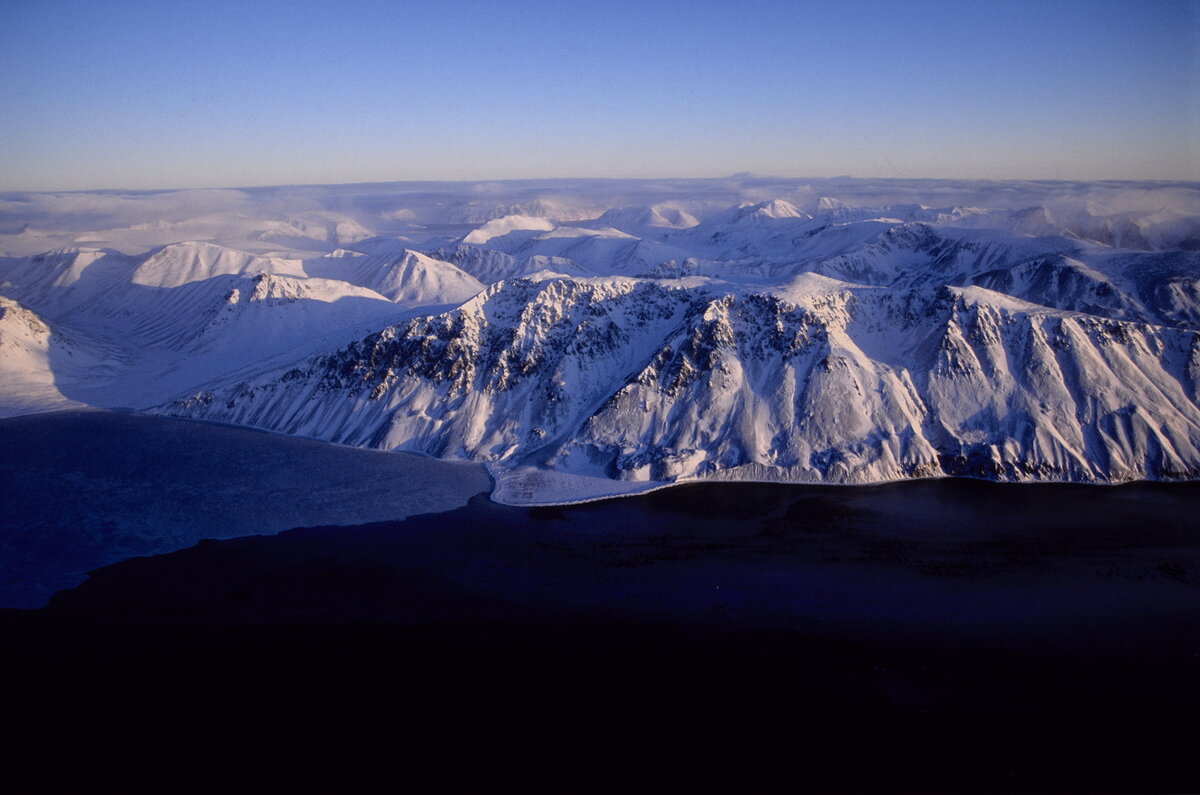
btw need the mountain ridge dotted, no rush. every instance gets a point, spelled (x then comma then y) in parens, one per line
(643, 346)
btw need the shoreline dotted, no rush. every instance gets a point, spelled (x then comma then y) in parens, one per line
(610, 489)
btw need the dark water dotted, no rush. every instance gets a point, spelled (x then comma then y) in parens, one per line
(83, 489)
(930, 636)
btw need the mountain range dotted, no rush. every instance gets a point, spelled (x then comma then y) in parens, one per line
(583, 349)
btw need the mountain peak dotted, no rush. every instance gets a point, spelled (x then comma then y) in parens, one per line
(498, 227)
(778, 208)
(640, 217)
(772, 209)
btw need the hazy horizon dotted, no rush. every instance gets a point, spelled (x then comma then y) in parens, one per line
(135, 220)
(480, 182)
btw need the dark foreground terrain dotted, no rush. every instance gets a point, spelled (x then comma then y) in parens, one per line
(932, 636)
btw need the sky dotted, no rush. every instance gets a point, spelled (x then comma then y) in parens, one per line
(150, 95)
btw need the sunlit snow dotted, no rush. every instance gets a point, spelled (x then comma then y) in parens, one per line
(586, 338)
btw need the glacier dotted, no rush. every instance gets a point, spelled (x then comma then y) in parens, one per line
(594, 339)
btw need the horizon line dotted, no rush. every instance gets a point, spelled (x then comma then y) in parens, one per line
(747, 176)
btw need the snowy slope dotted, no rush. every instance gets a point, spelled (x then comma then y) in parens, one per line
(182, 263)
(65, 278)
(183, 316)
(603, 251)
(819, 381)
(408, 277)
(33, 360)
(209, 330)
(28, 383)
(647, 221)
(490, 266)
(583, 353)
(479, 212)
(508, 231)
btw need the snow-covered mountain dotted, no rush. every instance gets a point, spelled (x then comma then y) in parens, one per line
(409, 277)
(183, 263)
(647, 221)
(841, 343)
(816, 381)
(480, 212)
(181, 316)
(28, 351)
(508, 231)
(490, 266)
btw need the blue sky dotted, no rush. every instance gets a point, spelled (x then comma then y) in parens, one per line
(177, 94)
